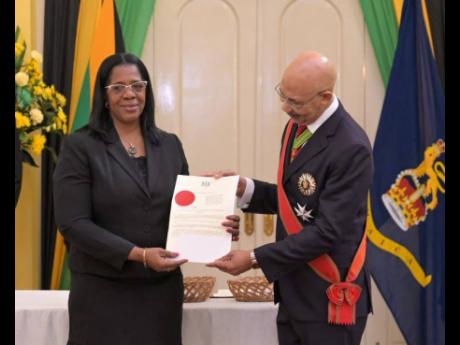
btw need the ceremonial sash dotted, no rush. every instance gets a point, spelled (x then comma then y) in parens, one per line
(342, 295)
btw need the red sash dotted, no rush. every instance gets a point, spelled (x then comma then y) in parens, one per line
(342, 295)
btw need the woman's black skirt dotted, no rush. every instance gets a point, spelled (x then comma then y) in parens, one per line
(105, 311)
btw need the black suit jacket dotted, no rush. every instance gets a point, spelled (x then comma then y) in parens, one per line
(339, 157)
(103, 206)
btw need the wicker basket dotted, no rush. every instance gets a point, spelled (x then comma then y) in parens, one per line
(198, 289)
(251, 289)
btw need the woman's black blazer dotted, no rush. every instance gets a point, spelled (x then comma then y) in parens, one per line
(104, 207)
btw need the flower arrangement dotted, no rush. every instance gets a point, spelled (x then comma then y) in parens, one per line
(38, 107)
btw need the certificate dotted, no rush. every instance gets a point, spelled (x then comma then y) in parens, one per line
(198, 208)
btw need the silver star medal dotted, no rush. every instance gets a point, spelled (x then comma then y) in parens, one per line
(303, 213)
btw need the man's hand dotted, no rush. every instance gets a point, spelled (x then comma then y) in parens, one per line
(235, 262)
(221, 173)
(162, 260)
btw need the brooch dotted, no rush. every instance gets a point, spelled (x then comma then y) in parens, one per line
(303, 213)
(306, 184)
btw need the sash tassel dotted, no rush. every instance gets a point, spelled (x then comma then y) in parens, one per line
(342, 302)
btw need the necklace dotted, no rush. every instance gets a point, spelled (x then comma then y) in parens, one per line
(132, 150)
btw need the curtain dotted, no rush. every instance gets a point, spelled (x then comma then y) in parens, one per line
(382, 26)
(58, 53)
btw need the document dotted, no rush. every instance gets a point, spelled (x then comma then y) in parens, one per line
(198, 208)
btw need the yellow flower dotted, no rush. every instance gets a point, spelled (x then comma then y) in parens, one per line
(61, 115)
(36, 77)
(21, 120)
(18, 48)
(36, 115)
(36, 56)
(34, 66)
(53, 103)
(38, 90)
(64, 128)
(21, 78)
(38, 143)
(61, 99)
(47, 93)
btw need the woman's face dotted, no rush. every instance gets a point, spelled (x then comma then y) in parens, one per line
(125, 104)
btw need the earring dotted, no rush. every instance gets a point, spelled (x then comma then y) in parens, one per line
(107, 105)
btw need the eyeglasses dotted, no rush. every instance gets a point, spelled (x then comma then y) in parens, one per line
(118, 89)
(292, 103)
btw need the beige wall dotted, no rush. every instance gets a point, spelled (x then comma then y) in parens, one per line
(27, 217)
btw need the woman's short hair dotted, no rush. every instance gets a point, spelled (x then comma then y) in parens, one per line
(100, 120)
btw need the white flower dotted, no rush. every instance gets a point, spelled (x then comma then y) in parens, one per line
(36, 115)
(36, 56)
(21, 78)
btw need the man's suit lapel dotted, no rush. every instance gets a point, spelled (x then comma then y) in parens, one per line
(317, 143)
(118, 152)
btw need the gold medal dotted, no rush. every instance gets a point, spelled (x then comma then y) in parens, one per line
(306, 184)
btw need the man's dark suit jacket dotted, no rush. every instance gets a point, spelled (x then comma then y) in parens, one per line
(104, 207)
(339, 157)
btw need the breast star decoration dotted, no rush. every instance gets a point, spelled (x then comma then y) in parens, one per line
(303, 213)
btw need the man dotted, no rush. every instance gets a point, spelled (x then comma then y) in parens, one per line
(325, 171)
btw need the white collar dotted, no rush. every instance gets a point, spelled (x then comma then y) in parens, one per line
(313, 127)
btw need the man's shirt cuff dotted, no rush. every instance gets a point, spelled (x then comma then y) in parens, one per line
(244, 201)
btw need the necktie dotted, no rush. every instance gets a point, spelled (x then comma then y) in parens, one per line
(301, 137)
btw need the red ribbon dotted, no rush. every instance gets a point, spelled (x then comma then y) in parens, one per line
(342, 300)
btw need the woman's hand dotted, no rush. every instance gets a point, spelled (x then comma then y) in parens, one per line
(232, 225)
(162, 260)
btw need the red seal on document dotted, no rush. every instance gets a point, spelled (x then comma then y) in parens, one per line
(184, 198)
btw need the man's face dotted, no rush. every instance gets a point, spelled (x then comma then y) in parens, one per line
(302, 105)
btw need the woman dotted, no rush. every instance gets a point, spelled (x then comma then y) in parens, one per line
(113, 186)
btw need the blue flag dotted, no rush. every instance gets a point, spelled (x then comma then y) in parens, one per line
(405, 226)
